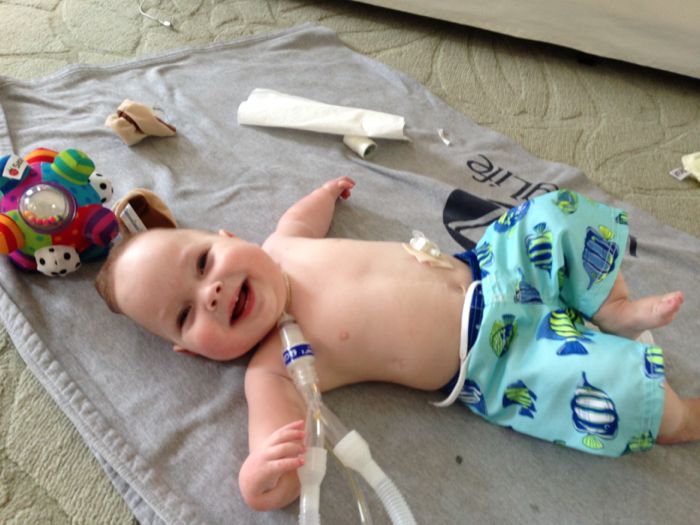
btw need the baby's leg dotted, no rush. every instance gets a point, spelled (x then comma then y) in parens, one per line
(618, 315)
(681, 420)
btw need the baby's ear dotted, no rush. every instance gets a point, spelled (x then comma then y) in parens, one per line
(225, 233)
(181, 350)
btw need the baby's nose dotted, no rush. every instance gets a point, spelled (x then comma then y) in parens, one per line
(212, 295)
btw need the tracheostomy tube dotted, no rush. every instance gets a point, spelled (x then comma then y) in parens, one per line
(324, 426)
(299, 360)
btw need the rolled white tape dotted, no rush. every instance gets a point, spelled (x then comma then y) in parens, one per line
(363, 146)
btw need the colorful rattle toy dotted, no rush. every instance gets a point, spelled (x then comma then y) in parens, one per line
(51, 213)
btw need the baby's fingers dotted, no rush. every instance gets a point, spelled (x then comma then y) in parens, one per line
(285, 450)
(345, 184)
(299, 423)
(282, 466)
(284, 457)
(340, 186)
(292, 432)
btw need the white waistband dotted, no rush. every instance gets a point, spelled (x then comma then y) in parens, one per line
(463, 347)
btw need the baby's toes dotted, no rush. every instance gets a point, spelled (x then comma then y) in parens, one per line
(668, 305)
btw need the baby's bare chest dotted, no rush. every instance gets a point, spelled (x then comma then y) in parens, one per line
(374, 313)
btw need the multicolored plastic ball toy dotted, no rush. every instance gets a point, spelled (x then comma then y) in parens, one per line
(51, 213)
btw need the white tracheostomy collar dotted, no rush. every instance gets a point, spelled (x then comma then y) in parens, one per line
(463, 348)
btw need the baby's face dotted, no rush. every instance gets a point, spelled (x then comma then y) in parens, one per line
(209, 294)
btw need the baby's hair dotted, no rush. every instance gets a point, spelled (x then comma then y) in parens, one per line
(104, 282)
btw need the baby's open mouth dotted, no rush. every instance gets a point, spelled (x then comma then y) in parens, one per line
(241, 302)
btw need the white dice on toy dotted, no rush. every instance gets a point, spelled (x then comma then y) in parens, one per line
(102, 185)
(57, 261)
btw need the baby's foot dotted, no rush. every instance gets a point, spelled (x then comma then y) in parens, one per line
(664, 309)
(631, 318)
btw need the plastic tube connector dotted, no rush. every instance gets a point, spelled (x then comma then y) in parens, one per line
(298, 358)
(353, 452)
(314, 468)
(311, 475)
(296, 349)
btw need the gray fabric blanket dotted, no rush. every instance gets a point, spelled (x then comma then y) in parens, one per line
(170, 430)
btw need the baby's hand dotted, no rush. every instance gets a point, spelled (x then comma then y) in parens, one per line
(282, 452)
(340, 187)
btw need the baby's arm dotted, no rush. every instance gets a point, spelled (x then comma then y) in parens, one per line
(268, 478)
(312, 215)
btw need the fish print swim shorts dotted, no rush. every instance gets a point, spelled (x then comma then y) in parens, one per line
(536, 367)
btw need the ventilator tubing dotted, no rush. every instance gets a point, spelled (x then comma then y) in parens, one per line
(324, 426)
(299, 360)
(353, 451)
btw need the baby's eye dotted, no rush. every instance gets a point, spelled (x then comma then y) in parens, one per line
(202, 261)
(182, 316)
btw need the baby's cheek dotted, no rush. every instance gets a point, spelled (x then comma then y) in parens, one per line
(211, 343)
(202, 339)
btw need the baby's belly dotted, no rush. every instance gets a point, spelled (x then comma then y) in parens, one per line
(383, 318)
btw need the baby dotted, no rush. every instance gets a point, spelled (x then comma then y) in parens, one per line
(384, 311)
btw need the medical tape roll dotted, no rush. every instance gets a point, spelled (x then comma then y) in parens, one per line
(363, 146)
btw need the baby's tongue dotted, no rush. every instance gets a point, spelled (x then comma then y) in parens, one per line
(240, 303)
